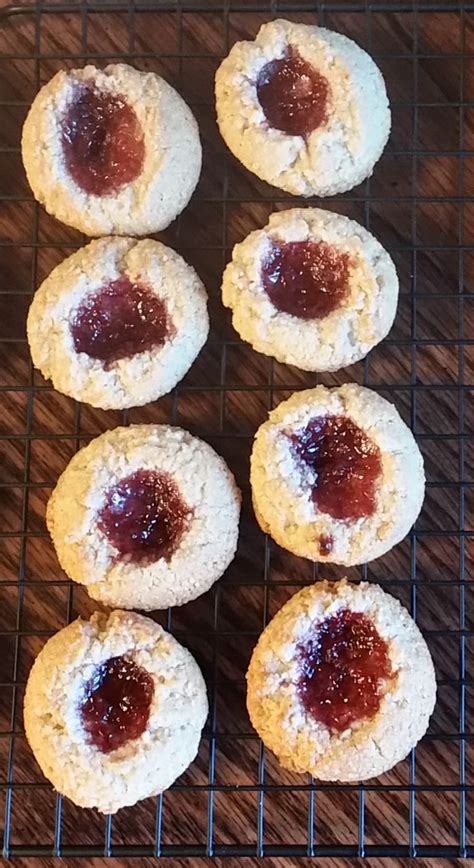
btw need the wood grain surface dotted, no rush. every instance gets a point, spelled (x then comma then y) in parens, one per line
(414, 204)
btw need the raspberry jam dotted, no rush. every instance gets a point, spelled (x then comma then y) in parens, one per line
(293, 95)
(102, 141)
(346, 464)
(119, 321)
(307, 279)
(326, 542)
(116, 704)
(343, 670)
(144, 517)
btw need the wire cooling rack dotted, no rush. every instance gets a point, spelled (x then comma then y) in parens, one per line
(235, 799)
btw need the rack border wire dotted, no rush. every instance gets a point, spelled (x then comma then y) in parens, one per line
(410, 386)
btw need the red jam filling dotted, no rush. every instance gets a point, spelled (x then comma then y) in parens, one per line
(343, 670)
(293, 95)
(120, 320)
(116, 704)
(346, 465)
(102, 141)
(144, 517)
(307, 279)
(326, 543)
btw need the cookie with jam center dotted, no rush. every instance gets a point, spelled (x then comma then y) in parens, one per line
(341, 684)
(336, 475)
(303, 108)
(311, 289)
(114, 709)
(145, 517)
(118, 323)
(111, 152)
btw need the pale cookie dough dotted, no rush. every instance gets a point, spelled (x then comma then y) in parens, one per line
(142, 767)
(282, 484)
(172, 154)
(346, 334)
(207, 545)
(145, 376)
(368, 747)
(338, 154)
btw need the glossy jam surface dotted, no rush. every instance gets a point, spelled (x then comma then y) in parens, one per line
(293, 95)
(116, 704)
(346, 466)
(326, 542)
(307, 279)
(119, 321)
(343, 670)
(102, 141)
(144, 517)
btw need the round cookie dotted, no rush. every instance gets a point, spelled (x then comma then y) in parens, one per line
(114, 709)
(336, 475)
(112, 151)
(118, 323)
(303, 108)
(341, 683)
(145, 517)
(312, 289)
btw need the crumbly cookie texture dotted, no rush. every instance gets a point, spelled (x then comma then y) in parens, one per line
(369, 747)
(337, 155)
(172, 154)
(132, 381)
(281, 485)
(342, 337)
(142, 767)
(206, 548)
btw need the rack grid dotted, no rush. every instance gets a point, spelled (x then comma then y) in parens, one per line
(235, 800)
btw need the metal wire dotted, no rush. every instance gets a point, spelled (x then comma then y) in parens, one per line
(445, 433)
